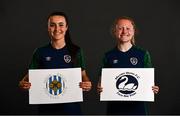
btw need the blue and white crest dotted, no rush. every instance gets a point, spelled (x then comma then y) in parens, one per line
(55, 85)
(67, 58)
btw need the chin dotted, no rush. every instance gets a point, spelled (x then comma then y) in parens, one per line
(57, 37)
(124, 41)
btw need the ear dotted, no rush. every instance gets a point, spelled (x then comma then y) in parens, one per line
(67, 27)
(48, 29)
(48, 26)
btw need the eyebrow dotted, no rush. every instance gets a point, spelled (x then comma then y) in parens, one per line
(57, 23)
(60, 23)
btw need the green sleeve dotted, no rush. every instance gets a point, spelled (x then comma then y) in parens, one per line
(147, 60)
(81, 60)
(34, 61)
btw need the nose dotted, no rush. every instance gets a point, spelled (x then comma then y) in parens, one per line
(124, 30)
(56, 28)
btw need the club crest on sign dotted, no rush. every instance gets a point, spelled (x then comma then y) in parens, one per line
(127, 84)
(55, 85)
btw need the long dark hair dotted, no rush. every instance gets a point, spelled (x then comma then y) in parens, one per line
(72, 48)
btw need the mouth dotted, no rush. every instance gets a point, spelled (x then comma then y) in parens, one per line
(124, 35)
(58, 33)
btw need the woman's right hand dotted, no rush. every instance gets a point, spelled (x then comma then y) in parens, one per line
(24, 85)
(99, 88)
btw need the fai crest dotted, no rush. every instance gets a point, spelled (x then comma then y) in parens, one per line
(67, 58)
(133, 60)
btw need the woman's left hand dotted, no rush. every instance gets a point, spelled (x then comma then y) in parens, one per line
(86, 85)
(155, 89)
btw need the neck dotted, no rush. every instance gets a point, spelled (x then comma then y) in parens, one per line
(58, 44)
(124, 46)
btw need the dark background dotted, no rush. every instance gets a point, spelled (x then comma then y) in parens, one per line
(23, 28)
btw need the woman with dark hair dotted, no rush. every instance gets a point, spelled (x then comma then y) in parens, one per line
(126, 55)
(61, 52)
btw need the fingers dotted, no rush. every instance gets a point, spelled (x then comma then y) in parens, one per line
(86, 86)
(24, 85)
(155, 89)
(99, 88)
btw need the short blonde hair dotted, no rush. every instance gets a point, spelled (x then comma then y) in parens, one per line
(113, 27)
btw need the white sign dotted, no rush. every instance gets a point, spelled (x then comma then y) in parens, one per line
(49, 86)
(127, 84)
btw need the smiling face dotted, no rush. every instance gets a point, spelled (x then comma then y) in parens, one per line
(124, 31)
(57, 27)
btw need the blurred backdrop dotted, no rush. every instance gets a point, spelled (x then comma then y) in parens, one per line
(24, 27)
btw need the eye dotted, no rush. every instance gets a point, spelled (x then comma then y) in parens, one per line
(61, 24)
(128, 28)
(119, 28)
(52, 25)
